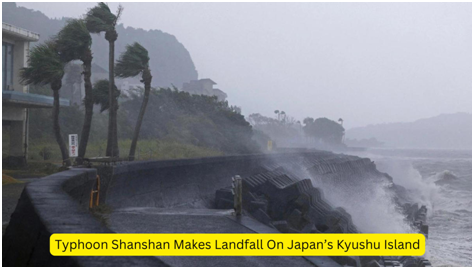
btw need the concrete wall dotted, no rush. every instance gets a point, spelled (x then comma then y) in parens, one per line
(21, 50)
(20, 60)
(193, 182)
(176, 182)
(57, 204)
(15, 114)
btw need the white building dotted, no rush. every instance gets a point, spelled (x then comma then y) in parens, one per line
(204, 86)
(16, 100)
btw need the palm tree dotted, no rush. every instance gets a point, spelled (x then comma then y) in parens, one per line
(74, 43)
(100, 93)
(46, 67)
(278, 114)
(101, 19)
(343, 132)
(284, 115)
(132, 62)
(340, 120)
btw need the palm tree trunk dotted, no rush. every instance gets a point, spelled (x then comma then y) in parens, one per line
(89, 106)
(112, 141)
(55, 86)
(147, 81)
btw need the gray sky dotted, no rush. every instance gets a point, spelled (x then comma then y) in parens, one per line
(365, 62)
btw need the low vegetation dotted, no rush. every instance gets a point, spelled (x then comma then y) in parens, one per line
(6, 179)
(146, 150)
(176, 125)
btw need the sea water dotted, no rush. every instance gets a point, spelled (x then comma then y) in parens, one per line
(439, 179)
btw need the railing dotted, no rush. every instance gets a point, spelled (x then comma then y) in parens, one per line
(97, 192)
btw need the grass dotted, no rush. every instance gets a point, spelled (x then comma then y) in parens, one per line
(146, 150)
(39, 166)
(34, 169)
(6, 179)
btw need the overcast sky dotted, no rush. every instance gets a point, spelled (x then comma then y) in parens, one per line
(364, 62)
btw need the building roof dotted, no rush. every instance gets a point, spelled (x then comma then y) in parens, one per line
(19, 33)
(29, 100)
(95, 68)
(207, 79)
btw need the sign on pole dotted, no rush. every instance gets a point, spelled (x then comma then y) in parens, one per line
(73, 145)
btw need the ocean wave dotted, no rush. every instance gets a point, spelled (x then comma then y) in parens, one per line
(445, 177)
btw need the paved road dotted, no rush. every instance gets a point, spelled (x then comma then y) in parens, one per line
(10, 195)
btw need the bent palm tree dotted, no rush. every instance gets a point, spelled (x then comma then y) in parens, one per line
(45, 67)
(74, 43)
(130, 64)
(101, 19)
(100, 93)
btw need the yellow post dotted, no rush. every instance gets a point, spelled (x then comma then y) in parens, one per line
(270, 145)
(91, 201)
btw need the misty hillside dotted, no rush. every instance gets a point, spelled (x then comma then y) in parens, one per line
(446, 131)
(170, 62)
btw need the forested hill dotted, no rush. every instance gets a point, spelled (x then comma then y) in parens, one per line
(445, 131)
(170, 62)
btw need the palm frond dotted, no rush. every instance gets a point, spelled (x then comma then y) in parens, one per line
(44, 65)
(132, 61)
(100, 94)
(74, 40)
(100, 19)
(119, 13)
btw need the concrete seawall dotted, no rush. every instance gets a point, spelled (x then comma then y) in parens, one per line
(193, 182)
(57, 204)
(173, 195)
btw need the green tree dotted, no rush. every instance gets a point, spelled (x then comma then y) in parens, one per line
(46, 67)
(132, 62)
(324, 129)
(101, 19)
(100, 94)
(74, 43)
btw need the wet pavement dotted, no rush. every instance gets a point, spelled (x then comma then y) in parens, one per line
(183, 220)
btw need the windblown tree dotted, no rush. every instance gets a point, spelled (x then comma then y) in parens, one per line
(278, 114)
(325, 130)
(101, 19)
(132, 62)
(74, 43)
(46, 67)
(100, 93)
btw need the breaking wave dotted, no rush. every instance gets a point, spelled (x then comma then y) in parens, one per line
(444, 185)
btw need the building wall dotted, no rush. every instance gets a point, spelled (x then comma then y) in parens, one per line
(207, 87)
(13, 113)
(20, 58)
(16, 115)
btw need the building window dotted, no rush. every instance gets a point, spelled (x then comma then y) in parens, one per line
(7, 65)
